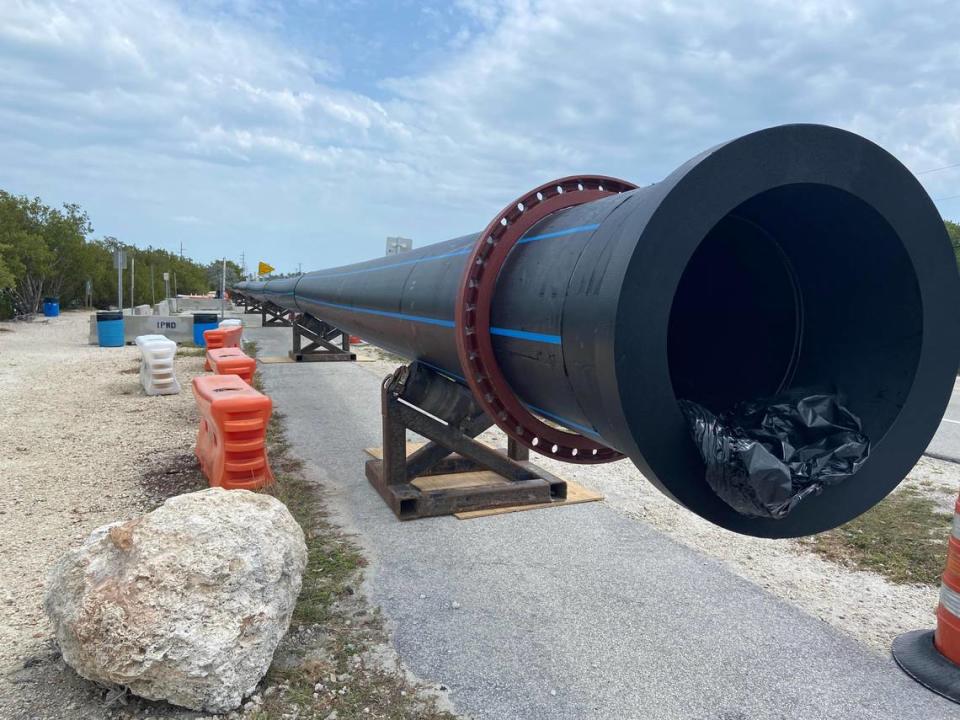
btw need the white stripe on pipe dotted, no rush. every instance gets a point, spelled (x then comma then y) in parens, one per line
(950, 600)
(955, 422)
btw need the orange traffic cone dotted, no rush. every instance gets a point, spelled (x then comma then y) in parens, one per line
(932, 657)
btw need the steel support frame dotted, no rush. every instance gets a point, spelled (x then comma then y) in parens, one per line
(274, 316)
(451, 450)
(319, 336)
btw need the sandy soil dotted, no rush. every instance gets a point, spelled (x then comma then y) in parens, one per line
(862, 604)
(98, 451)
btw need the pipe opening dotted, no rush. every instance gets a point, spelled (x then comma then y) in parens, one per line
(802, 285)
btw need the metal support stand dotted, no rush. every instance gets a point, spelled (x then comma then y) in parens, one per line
(274, 316)
(407, 397)
(251, 307)
(320, 336)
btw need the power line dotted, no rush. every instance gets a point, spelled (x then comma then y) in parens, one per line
(948, 197)
(938, 169)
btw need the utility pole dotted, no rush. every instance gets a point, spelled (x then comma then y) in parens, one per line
(131, 283)
(223, 288)
(174, 284)
(181, 249)
(299, 268)
(119, 262)
(243, 266)
(153, 288)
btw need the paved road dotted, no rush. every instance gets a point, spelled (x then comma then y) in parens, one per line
(576, 612)
(946, 443)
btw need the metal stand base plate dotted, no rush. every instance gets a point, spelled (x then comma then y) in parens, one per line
(456, 491)
(917, 656)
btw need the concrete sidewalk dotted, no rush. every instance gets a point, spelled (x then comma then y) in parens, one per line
(574, 612)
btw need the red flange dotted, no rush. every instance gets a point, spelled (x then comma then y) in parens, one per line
(474, 345)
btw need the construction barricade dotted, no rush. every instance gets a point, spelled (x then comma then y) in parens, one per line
(232, 361)
(231, 440)
(157, 373)
(932, 657)
(221, 337)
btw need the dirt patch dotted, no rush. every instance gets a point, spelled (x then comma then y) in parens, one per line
(80, 446)
(83, 447)
(173, 475)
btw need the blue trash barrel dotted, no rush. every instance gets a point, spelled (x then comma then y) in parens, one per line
(51, 306)
(110, 328)
(201, 322)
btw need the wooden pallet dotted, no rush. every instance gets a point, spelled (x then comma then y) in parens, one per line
(576, 493)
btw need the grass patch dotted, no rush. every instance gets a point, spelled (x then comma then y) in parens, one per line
(903, 538)
(191, 350)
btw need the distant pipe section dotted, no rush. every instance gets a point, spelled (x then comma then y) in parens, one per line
(800, 255)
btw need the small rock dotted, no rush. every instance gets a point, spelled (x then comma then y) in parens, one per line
(422, 596)
(553, 692)
(455, 605)
(332, 716)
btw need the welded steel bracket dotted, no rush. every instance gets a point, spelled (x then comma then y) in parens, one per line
(251, 306)
(320, 337)
(274, 316)
(420, 400)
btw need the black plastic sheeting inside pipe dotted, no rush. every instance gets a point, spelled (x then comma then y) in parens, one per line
(800, 255)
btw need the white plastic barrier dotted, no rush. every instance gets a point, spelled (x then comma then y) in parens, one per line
(156, 365)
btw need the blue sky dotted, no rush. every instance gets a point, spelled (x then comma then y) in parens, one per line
(306, 132)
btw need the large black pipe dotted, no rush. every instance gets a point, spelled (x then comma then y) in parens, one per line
(794, 256)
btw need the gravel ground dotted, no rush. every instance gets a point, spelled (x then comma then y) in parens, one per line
(862, 604)
(102, 451)
(98, 451)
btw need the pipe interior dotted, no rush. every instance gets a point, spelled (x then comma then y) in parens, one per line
(800, 286)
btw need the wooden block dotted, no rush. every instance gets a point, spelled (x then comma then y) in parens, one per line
(576, 494)
(271, 359)
(480, 478)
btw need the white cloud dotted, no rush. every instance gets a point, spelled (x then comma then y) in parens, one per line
(148, 113)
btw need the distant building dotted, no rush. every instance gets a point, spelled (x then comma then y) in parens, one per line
(397, 245)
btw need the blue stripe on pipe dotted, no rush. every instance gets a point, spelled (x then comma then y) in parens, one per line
(562, 420)
(443, 371)
(506, 332)
(540, 411)
(524, 335)
(386, 313)
(559, 233)
(442, 256)
(462, 251)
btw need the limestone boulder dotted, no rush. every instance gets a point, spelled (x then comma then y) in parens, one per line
(186, 603)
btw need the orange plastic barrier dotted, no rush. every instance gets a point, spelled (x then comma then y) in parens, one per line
(933, 658)
(233, 425)
(947, 635)
(232, 361)
(221, 337)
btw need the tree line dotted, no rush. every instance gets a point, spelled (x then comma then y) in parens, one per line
(50, 252)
